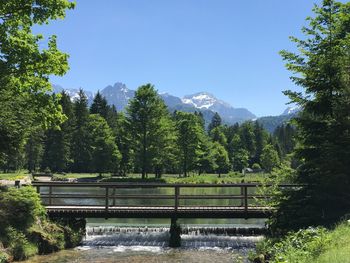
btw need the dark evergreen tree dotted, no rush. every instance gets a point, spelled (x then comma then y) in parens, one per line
(34, 150)
(215, 122)
(322, 67)
(100, 106)
(57, 152)
(81, 144)
(105, 155)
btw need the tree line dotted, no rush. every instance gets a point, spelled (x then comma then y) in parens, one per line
(146, 139)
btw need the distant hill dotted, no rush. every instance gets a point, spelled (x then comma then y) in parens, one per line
(270, 123)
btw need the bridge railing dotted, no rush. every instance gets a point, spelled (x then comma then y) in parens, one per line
(243, 192)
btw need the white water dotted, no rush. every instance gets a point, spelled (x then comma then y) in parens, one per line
(148, 238)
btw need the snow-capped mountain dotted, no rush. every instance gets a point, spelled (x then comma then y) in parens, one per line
(205, 100)
(73, 93)
(202, 100)
(119, 95)
(291, 110)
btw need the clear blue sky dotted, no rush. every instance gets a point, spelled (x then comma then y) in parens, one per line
(226, 47)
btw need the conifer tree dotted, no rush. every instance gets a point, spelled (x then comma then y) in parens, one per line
(100, 106)
(322, 70)
(215, 122)
(81, 144)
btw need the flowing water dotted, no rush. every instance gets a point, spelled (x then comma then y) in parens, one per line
(146, 240)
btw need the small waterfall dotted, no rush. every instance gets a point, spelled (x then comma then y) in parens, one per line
(192, 237)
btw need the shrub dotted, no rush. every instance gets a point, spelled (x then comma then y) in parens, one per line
(4, 257)
(20, 208)
(19, 245)
(49, 237)
(301, 246)
(256, 166)
(74, 231)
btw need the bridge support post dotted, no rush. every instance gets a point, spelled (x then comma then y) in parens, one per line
(175, 233)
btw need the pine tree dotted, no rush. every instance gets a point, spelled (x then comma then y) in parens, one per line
(322, 68)
(57, 152)
(215, 122)
(81, 144)
(105, 155)
(100, 106)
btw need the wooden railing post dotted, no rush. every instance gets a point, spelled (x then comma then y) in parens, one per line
(50, 193)
(177, 193)
(246, 200)
(38, 189)
(106, 199)
(113, 196)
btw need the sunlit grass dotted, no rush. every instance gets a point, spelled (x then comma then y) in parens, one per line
(14, 175)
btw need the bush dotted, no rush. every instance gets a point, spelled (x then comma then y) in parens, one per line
(4, 257)
(256, 166)
(20, 208)
(19, 245)
(74, 231)
(49, 237)
(302, 246)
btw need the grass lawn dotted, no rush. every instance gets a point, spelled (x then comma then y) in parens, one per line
(192, 178)
(169, 178)
(14, 176)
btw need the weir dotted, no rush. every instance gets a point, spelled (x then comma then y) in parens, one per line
(155, 200)
(191, 237)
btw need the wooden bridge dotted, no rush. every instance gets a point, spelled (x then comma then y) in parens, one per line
(127, 200)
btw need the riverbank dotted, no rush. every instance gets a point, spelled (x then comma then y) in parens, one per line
(166, 178)
(26, 231)
(317, 245)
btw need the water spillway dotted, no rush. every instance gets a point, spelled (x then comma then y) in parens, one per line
(192, 236)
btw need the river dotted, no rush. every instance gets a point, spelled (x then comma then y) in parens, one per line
(146, 240)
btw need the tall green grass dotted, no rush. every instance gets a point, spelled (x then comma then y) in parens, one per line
(316, 245)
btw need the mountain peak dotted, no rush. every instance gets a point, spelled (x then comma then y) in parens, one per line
(200, 100)
(291, 110)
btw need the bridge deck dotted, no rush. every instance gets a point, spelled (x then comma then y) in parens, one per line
(159, 211)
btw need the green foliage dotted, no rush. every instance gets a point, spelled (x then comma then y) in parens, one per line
(20, 208)
(321, 67)
(57, 145)
(240, 159)
(73, 229)
(220, 156)
(81, 150)
(269, 158)
(150, 127)
(24, 72)
(4, 257)
(256, 166)
(215, 122)
(48, 237)
(19, 245)
(99, 106)
(189, 135)
(307, 245)
(104, 152)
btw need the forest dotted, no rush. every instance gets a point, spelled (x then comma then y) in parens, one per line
(146, 139)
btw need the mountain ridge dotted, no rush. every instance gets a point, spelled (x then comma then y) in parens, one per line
(119, 95)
